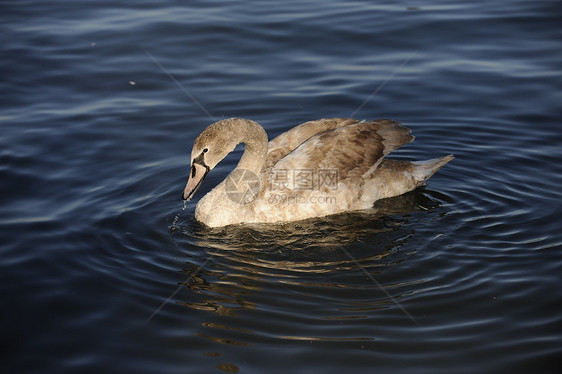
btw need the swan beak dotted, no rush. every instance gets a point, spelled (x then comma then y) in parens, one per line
(198, 173)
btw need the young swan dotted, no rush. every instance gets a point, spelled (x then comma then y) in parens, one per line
(318, 168)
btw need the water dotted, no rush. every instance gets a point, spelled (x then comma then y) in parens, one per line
(102, 270)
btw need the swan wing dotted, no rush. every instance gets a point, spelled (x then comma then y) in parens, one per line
(351, 148)
(288, 141)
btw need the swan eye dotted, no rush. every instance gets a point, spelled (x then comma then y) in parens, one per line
(205, 150)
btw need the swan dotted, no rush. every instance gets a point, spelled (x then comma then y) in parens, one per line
(315, 169)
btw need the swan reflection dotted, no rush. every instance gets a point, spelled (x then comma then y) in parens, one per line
(273, 278)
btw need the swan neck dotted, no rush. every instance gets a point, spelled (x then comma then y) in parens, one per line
(255, 139)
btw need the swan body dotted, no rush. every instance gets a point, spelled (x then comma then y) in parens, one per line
(318, 168)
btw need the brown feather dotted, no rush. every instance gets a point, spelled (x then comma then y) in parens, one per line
(352, 147)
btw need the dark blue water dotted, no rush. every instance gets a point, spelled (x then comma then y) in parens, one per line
(102, 271)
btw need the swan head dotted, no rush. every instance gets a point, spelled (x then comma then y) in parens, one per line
(210, 147)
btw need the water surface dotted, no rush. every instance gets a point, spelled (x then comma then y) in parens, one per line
(103, 271)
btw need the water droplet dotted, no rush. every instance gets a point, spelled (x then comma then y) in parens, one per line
(173, 227)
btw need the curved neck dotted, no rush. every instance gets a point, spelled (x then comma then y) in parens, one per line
(255, 138)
